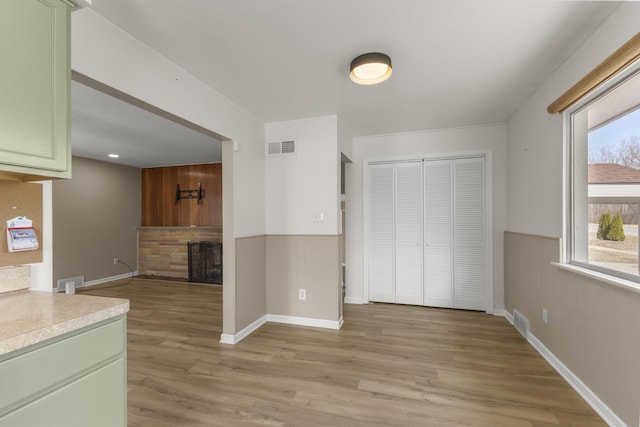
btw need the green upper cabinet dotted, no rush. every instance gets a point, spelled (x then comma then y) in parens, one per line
(35, 88)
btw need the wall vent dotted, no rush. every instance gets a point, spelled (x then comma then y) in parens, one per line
(281, 148)
(521, 323)
(78, 282)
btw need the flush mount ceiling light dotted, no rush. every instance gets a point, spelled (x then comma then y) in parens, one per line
(370, 68)
(114, 156)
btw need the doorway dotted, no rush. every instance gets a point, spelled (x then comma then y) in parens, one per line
(110, 251)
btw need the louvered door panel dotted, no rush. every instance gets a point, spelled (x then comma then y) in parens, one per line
(469, 234)
(438, 281)
(381, 233)
(381, 287)
(469, 202)
(470, 278)
(408, 233)
(438, 233)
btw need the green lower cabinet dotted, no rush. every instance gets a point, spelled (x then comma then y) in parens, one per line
(95, 400)
(75, 380)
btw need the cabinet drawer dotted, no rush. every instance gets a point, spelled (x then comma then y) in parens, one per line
(52, 364)
(96, 400)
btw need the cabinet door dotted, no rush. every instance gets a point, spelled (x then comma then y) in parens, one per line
(438, 233)
(408, 223)
(34, 108)
(470, 234)
(381, 233)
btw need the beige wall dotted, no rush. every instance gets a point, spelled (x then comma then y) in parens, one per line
(303, 262)
(95, 218)
(251, 287)
(593, 327)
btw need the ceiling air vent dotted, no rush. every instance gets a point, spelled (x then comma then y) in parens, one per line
(281, 148)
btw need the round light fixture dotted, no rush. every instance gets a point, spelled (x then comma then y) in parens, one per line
(114, 156)
(370, 68)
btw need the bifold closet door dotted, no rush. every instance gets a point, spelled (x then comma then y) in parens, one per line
(470, 234)
(408, 233)
(427, 233)
(455, 233)
(381, 233)
(438, 233)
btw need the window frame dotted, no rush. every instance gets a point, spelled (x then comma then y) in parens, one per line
(569, 118)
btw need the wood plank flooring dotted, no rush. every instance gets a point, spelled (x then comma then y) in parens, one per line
(390, 365)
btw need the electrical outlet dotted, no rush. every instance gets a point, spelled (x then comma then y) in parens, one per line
(302, 294)
(116, 261)
(545, 319)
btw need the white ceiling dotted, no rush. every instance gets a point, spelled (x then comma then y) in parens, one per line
(455, 62)
(102, 124)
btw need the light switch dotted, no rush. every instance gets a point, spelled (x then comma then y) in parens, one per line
(318, 217)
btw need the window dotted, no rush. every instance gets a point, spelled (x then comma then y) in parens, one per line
(604, 177)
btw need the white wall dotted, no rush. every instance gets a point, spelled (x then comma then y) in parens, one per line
(302, 185)
(104, 52)
(42, 273)
(535, 149)
(345, 137)
(490, 137)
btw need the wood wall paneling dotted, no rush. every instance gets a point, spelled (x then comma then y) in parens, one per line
(159, 208)
(163, 252)
(152, 197)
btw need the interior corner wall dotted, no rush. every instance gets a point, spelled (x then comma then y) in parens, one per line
(589, 327)
(302, 201)
(345, 138)
(491, 138)
(96, 215)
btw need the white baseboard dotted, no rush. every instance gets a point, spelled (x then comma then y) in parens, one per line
(353, 300)
(574, 381)
(589, 396)
(109, 279)
(234, 339)
(304, 321)
(503, 313)
(103, 280)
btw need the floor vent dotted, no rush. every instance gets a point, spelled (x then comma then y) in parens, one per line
(521, 323)
(78, 282)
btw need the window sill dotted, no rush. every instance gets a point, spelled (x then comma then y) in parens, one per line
(602, 277)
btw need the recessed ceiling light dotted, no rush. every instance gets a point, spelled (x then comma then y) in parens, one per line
(371, 68)
(114, 156)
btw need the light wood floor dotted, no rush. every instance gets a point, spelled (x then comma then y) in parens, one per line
(390, 365)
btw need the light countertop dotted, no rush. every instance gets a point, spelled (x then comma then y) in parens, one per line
(29, 317)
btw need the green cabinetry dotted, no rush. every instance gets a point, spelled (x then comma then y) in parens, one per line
(35, 88)
(75, 380)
